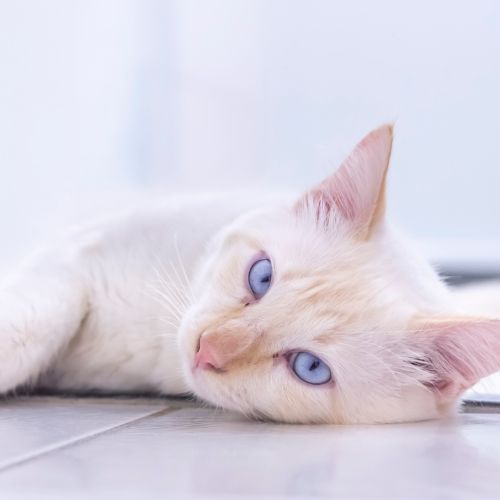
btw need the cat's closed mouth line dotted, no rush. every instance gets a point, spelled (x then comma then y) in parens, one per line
(359, 328)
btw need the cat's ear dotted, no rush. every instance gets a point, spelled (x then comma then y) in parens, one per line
(457, 353)
(356, 191)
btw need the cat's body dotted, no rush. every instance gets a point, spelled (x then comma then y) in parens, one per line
(128, 274)
(158, 300)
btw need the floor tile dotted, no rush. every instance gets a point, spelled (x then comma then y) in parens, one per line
(31, 426)
(191, 452)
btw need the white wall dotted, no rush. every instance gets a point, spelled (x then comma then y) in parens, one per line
(100, 95)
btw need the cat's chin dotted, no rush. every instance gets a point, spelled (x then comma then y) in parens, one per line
(203, 390)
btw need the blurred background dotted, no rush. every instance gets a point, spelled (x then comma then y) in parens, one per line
(107, 96)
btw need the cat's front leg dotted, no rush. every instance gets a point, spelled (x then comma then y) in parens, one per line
(41, 307)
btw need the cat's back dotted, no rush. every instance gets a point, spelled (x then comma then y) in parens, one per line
(197, 214)
(158, 227)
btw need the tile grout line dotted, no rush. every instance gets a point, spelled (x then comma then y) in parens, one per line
(46, 450)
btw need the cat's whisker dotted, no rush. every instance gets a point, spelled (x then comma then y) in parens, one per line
(173, 282)
(170, 305)
(167, 295)
(167, 301)
(174, 270)
(187, 281)
(180, 290)
(157, 318)
(181, 277)
(167, 322)
(162, 293)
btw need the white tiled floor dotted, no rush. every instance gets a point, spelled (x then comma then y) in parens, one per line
(141, 448)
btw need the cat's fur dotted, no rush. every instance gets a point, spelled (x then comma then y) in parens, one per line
(121, 306)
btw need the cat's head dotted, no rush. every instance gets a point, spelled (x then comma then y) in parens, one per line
(314, 313)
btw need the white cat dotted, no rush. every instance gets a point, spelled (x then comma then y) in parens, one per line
(308, 311)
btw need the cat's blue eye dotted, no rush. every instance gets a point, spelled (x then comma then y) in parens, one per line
(310, 368)
(259, 277)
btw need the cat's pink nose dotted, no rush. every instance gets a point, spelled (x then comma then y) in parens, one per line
(208, 356)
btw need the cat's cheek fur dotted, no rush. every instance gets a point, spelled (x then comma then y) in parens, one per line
(272, 394)
(267, 395)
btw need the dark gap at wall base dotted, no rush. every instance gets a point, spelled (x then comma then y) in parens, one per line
(458, 277)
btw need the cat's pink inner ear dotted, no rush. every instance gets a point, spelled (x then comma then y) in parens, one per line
(356, 191)
(460, 353)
